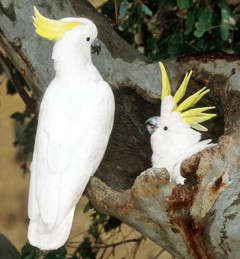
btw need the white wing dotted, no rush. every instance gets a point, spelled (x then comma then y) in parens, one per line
(72, 136)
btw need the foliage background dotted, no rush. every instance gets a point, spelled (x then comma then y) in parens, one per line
(160, 29)
(170, 28)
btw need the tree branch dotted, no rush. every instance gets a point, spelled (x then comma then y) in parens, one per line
(29, 102)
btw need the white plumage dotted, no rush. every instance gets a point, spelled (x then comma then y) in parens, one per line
(173, 140)
(170, 147)
(75, 122)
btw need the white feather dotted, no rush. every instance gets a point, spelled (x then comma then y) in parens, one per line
(170, 147)
(75, 122)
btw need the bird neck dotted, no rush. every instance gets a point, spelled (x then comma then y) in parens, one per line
(67, 53)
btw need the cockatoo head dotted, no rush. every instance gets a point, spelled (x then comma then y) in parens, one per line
(72, 35)
(174, 129)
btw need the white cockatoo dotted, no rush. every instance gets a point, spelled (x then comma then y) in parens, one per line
(75, 122)
(173, 138)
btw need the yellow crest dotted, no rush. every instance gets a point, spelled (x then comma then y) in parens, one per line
(166, 88)
(51, 29)
(191, 116)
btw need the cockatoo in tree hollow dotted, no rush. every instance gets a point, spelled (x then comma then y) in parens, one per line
(173, 138)
(75, 122)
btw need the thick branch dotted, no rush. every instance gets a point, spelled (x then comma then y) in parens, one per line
(9, 70)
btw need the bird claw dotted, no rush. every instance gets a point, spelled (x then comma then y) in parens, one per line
(154, 174)
(190, 165)
(150, 181)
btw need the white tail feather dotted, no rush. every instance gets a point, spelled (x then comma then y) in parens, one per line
(41, 236)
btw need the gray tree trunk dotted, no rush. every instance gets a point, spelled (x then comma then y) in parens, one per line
(197, 220)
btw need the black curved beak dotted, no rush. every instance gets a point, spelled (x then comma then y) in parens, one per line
(96, 47)
(151, 124)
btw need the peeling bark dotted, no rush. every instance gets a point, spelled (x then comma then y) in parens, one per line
(197, 220)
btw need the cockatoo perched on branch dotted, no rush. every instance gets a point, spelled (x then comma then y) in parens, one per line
(75, 122)
(173, 138)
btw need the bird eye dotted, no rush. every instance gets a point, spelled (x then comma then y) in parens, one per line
(165, 128)
(88, 39)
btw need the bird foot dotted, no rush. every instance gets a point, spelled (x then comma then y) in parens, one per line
(150, 181)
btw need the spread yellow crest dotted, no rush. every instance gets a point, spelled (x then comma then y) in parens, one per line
(52, 29)
(191, 116)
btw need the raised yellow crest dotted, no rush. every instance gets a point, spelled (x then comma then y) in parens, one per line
(52, 29)
(191, 116)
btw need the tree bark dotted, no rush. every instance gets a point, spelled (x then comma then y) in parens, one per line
(197, 220)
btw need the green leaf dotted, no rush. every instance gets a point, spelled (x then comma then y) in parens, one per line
(125, 24)
(87, 207)
(146, 10)
(85, 249)
(204, 23)
(18, 116)
(93, 230)
(175, 44)
(203, 44)
(10, 88)
(190, 22)
(220, 45)
(27, 251)
(31, 252)
(184, 4)
(112, 224)
(152, 44)
(226, 22)
(25, 168)
(101, 215)
(123, 9)
(60, 253)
